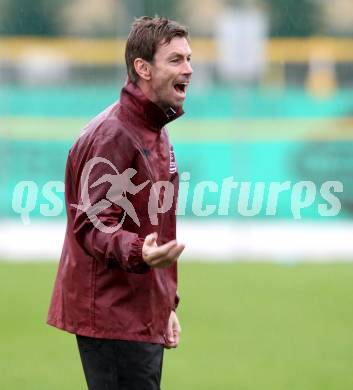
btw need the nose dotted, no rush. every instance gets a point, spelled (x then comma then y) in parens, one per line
(188, 68)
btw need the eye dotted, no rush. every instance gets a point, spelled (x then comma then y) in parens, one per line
(175, 60)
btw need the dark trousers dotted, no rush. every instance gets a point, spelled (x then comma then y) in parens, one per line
(120, 365)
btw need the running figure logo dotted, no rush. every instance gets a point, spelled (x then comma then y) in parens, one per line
(121, 185)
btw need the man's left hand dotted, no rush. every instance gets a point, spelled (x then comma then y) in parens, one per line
(173, 331)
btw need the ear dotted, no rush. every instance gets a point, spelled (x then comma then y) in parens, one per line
(142, 68)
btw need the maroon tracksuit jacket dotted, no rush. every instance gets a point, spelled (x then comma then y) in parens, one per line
(103, 287)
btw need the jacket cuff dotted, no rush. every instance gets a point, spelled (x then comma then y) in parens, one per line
(136, 264)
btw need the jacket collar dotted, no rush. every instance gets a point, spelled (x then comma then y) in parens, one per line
(152, 115)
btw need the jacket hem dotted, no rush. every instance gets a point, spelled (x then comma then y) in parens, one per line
(107, 334)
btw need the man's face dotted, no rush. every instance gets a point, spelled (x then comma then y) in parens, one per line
(171, 73)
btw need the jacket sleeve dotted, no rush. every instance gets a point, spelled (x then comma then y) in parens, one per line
(95, 219)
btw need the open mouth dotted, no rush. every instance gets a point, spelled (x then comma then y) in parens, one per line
(180, 87)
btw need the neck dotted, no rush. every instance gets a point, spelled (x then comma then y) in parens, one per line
(149, 93)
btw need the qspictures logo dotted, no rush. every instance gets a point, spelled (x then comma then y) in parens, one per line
(120, 186)
(252, 196)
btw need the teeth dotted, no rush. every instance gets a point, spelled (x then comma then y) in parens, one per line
(181, 87)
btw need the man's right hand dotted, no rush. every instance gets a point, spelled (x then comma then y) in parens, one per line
(160, 256)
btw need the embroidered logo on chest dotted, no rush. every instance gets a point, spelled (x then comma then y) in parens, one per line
(172, 162)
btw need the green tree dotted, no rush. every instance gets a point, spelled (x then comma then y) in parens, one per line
(25, 17)
(294, 17)
(165, 8)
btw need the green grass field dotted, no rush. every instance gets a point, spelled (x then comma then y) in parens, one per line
(245, 326)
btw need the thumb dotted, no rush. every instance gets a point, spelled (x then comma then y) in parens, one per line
(170, 334)
(151, 238)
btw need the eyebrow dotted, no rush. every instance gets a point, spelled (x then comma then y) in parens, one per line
(174, 53)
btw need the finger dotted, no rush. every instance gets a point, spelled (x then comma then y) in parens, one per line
(162, 251)
(176, 332)
(171, 257)
(175, 252)
(170, 344)
(169, 335)
(177, 327)
(176, 338)
(167, 260)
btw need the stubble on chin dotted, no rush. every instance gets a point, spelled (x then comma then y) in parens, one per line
(165, 106)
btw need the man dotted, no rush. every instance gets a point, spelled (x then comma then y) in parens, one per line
(116, 283)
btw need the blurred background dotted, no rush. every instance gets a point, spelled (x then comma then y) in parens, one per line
(266, 297)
